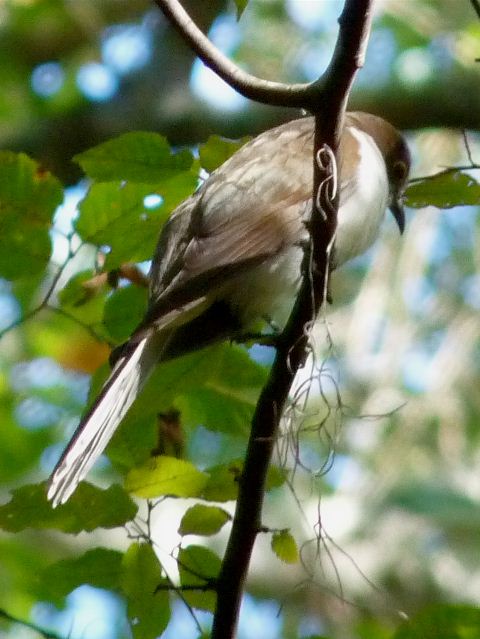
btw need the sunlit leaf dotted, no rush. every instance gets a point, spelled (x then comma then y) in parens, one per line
(148, 609)
(203, 520)
(165, 476)
(137, 156)
(444, 191)
(223, 480)
(199, 566)
(217, 150)
(275, 477)
(87, 509)
(285, 546)
(222, 484)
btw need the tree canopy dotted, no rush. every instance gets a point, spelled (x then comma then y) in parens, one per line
(107, 123)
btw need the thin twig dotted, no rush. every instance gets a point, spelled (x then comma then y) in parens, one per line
(46, 298)
(146, 536)
(87, 327)
(452, 169)
(467, 147)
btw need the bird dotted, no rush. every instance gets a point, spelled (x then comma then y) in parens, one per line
(231, 254)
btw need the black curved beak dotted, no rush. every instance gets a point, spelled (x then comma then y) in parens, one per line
(396, 208)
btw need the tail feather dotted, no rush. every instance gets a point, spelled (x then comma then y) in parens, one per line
(97, 427)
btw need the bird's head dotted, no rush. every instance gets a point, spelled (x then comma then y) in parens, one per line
(396, 155)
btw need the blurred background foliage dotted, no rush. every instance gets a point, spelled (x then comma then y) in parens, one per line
(385, 498)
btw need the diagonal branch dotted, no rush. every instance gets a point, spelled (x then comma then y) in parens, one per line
(273, 93)
(348, 56)
(476, 6)
(326, 99)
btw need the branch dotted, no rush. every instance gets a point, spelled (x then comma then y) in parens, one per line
(348, 56)
(326, 98)
(265, 91)
(476, 6)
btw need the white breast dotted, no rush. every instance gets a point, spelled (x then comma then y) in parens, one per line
(268, 291)
(361, 214)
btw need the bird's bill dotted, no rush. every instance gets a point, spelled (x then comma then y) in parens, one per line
(396, 208)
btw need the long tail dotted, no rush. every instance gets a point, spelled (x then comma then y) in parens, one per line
(97, 427)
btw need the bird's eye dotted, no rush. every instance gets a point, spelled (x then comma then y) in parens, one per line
(400, 170)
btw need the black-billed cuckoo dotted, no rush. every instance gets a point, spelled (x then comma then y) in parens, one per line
(231, 255)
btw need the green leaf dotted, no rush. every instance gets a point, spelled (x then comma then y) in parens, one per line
(124, 310)
(74, 293)
(87, 509)
(136, 156)
(222, 484)
(217, 150)
(241, 6)
(148, 610)
(114, 214)
(27, 192)
(227, 392)
(20, 448)
(85, 303)
(369, 628)
(164, 475)
(203, 520)
(442, 622)
(24, 252)
(285, 546)
(444, 190)
(29, 197)
(199, 566)
(181, 383)
(100, 567)
(275, 477)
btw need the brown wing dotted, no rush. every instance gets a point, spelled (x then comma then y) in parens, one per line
(247, 211)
